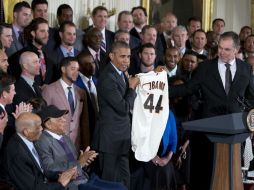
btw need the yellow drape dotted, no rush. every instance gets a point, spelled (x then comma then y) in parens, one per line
(8, 9)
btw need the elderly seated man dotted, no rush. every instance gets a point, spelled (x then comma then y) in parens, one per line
(22, 165)
(58, 153)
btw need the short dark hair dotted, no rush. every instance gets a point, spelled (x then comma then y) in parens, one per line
(118, 32)
(198, 30)
(246, 27)
(33, 26)
(118, 45)
(147, 27)
(65, 23)
(5, 82)
(38, 2)
(4, 25)
(61, 8)
(193, 19)
(18, 6)
(139, 7)
(146, 45)
(218, 19)
(67, 61)
(190, 52)
(123, 13)
(82, 55)
(234, 36)
(99, 8)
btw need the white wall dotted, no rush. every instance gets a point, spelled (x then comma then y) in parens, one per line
(80, 8)
(236, 13)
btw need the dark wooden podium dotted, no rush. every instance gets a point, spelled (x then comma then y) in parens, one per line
(226, 132)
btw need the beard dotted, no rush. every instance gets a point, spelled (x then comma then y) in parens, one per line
(40, 41)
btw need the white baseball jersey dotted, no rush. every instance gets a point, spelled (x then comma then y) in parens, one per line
(150, 114)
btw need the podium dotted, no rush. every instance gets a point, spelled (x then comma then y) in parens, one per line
(226, 132)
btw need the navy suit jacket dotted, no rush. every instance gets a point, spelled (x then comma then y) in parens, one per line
(58, 56)
(116, 100)
(109, 35)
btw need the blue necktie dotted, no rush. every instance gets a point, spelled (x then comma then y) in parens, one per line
(71, 100)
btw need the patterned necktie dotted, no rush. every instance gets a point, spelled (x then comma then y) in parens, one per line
(71, 100)
(228, 78)
(43, 64)
(67, 150)
(103, 44)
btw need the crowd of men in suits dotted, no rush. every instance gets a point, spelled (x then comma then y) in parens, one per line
(79, 85)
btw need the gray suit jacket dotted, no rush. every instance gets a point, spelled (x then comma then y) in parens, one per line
(15, 45)
(53, 156)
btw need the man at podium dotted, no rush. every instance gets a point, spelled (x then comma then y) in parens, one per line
(222, 81)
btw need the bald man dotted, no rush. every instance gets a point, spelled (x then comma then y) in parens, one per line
(26, 87)
(22, 164)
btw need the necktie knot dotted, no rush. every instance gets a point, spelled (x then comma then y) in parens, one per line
(227, 65)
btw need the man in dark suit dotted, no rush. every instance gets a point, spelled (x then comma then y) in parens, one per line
(87, 81)
(25, 86)
(21, 18)
(125, 22)
(40, 9)
(139, 15)
(92, 45)
(100, 19)
(169, 22)
(22, 165)
(116, 97)
(221, 81)
(37, 36)
(67, 34)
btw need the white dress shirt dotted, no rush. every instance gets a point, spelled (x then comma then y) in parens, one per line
(222, 70)
(66, 90)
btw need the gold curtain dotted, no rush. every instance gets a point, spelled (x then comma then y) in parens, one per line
(8, 9)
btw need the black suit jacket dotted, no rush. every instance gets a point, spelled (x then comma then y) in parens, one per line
(15, 69)
(115, 102)
(109, 35)
(134, 33)
(216, 102)
(102, 63)
(23, 170)
(24, 92)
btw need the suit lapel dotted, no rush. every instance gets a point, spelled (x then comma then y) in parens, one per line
(215, 72)
(238, 72)
(61, 94)
(28, 152)
(55, 144)
(118, 77)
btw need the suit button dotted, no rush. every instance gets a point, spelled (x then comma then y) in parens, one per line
(72, 120)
